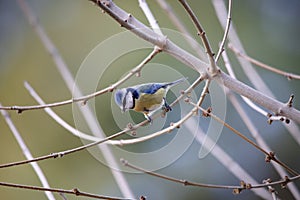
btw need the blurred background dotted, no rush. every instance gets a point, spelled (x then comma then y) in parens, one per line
(268, 29)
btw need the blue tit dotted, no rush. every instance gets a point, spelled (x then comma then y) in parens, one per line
(144, 98)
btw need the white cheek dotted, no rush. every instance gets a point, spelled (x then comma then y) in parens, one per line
(129, 101)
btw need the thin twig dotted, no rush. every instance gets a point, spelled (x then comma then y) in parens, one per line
(190, 183)
(89, 117)
(288, 75)
(85, 98)
(181, 27)
(271, 189)
(246, 100)
(169, 47)
(63, 153)
(172, 49)
(221, 48)
(107, 139)
(260, 141)
(173, 125)
(269, 155)
(184, 182)
(294, 130)
(122, 142)
(212, 62)
(153, 22)
(224, 158)
(74, 191)
(251, 73)
(27, 153)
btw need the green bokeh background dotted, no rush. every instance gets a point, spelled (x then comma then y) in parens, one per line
(268, 29)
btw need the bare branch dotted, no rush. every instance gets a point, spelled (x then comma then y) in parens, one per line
(288, 75)
(271, 189)
(192, 61)
(85, 98)
(149, 35)
(74, 191)
(260, 141)
(212, 63)
(189, 59)
(27, 153)
(63, 153)
(181, 27)
(224, 158)
(269, 155)
(243, 186)
(183, 182)
(260, 98)
(270, 117)
(153, 22)
(221, 48)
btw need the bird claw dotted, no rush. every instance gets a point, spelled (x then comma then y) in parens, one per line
(148, 118)
(166, 106)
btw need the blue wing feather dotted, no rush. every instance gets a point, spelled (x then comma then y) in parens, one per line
(152, 88)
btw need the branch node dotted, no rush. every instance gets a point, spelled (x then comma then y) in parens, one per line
(138, 73)
(143, 198)
(201, 33)
(185, 182)
(76, 191)
(187, 100)
(237, 191)
(130, 126)
(111, 88)
(206, 113)
(163, 41)
(105, 2)
(269, 115)
(248, 186)
(124, 162)
(133, 133)
(289, 76)
(286, 181)
(19, 111)
(57, 155)
(243, 184)
(128, 18)
(290, 101)
(83, 103)
(270, 156)
(270, 188)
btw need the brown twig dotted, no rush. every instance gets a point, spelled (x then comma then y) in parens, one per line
(74, 191)
(85, 98)
(212, 63)
(269, 155)
(288, 75)
(63, 153)
(241, 187)
(228, 23)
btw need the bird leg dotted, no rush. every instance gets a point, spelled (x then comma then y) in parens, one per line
(148, 118)
(166, 106)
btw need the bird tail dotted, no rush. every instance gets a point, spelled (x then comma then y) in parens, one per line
(177, 81)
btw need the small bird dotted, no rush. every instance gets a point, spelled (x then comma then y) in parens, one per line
(145, 98)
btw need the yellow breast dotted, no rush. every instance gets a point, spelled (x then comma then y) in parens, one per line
(149, 102)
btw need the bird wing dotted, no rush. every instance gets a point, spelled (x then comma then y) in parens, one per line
(151, 88)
